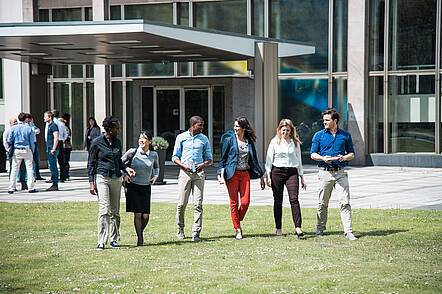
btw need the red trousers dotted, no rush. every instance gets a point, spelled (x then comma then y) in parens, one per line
(239, 183)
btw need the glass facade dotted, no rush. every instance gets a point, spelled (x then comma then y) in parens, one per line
(401, 51)
(403, 94)
(1, 79)
(412, 31)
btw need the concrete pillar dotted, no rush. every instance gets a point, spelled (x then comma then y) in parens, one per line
(102, 99)
(357, 69)
(16, 78)
(266, 94)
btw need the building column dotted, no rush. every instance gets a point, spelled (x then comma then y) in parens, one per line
(357, 77)
(266, 94)
(16, 84)
(102, 99)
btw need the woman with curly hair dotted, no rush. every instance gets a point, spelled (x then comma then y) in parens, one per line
(105, 170)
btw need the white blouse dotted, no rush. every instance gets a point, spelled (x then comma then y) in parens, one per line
(282, 155)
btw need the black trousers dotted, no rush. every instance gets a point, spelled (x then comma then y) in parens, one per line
(289, 177)
(64, 155)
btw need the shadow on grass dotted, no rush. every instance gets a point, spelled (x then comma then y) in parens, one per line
(380, 233)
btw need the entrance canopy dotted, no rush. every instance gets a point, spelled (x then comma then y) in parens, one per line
(130, 41)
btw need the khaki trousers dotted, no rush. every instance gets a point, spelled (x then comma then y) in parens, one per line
(339, 181)
(109, 193)
(19, 156)
(187, 183)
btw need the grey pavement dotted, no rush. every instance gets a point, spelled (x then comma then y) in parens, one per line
(370, 187)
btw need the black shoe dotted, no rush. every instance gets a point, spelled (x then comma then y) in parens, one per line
(48, 181)
(52, 188)
(62, 181)
(114, 244)
(24, 186)
(33, 191)
(39, 179)
(300, 235)
(10, 191)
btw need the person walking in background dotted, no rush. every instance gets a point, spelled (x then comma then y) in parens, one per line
(21, 139)
(192, 153)
(239, 163)
(93, 131)
(332, 147)
(284, 168)
(51, 139)
(145, 164)
(105, 170)
(36, 154)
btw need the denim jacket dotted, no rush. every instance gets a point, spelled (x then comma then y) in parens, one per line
(229, 157)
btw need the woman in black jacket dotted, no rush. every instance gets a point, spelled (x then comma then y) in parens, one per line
(93, 131)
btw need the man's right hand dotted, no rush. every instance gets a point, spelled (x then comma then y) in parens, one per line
(92, 189)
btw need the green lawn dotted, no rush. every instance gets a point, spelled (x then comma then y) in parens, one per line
(51, 248)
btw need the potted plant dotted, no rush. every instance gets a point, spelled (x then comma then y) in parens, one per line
(159, 144)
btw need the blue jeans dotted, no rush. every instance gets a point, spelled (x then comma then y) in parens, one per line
(36, 162)
(52, 161)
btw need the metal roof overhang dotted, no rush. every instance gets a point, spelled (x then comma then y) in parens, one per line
(132, 41)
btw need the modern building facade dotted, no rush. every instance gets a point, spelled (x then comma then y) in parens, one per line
(378, 62)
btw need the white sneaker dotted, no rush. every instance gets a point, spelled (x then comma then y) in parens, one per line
(350, 236)
(278, 232)
(238, 235)
(180, 234)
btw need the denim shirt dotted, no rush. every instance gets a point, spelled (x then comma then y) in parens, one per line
(21, 136)
(324, 143)
(192, 149)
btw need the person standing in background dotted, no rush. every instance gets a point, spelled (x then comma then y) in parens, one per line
(67, 146)
(21, 139)
(93, 131)
(36, 154)
(51, 138)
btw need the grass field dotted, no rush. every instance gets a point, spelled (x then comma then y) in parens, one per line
(51, 248)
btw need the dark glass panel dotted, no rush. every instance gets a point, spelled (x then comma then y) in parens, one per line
(150, 12)
(376, 35)
(303, 101)
(340, 99)
(412, 34)
(304, 21)
(376, 115)
(66, 14)
(412, 112)
(340, 33)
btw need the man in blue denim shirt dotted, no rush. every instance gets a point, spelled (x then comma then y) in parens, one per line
(192, 153)
(332, 147)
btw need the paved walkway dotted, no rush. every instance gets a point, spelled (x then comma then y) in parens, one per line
(370, 187)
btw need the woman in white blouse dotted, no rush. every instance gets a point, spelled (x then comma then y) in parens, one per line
(284, 167)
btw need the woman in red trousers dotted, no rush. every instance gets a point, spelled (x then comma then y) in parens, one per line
(238, 164)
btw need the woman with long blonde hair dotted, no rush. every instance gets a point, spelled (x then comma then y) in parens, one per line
(284, 167)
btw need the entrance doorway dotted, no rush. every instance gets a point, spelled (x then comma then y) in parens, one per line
(166, 111)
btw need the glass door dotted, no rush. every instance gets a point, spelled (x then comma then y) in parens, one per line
(168, 116)
(197, 103)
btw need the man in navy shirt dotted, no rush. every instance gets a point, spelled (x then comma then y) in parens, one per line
(51, 139)
(332, 147)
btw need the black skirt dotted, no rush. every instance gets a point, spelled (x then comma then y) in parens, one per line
(138, 198)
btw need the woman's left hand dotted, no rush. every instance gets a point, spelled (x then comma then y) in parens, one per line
(153, 180)
(263, 184)
(130, 171)
(303, 185)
